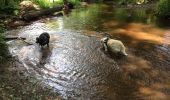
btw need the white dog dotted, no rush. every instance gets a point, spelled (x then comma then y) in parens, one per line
(115, 46)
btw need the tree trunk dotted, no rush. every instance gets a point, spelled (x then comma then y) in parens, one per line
(6, 2)
(33, 15)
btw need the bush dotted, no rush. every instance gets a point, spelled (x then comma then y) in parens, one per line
(163, 8)
(4, 54)
(51, 3)
(125, 1)
(8, 7)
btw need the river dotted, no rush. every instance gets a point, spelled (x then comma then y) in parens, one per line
(76, 66)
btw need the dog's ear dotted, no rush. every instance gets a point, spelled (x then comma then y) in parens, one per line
(37, 40)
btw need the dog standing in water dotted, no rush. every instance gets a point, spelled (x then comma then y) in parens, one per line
(43, 39)
(115, 46)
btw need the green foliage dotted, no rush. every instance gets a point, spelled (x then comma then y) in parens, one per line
(125, 1)
(8, 6)
(42, 3)
(140, 15)
(12, 6)
(163, 8)
(3, 48)
(121, 15)
(51, 3)
(2, 29)
(75, 2)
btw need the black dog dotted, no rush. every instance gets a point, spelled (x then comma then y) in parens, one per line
(43, 39)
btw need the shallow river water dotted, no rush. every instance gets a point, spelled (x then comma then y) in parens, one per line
(77, 67)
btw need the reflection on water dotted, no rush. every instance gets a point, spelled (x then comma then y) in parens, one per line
(143, 32)
(76, 65)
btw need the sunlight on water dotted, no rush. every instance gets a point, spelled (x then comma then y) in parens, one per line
(144, 33)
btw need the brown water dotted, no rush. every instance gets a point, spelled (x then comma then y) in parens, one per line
(77, 67)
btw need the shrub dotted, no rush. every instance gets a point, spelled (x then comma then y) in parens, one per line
(163, 8)
(4, 54)
(125, 1)
(50, 3)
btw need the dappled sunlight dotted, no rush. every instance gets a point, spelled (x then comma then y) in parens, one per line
(155, 91)
(55, 23)
(136, 63)
(110, 24)
(161, 86)
(92, 33)
(152, 94)
(144, 33)
(150, 29)
(29, 53)
(157, 87)
(141, 36)
(135, 67)
(152, 83)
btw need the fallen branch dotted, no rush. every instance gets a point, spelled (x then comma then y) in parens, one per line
(33, 15)
(7, 38)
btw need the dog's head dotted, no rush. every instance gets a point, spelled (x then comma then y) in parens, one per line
(104, 40)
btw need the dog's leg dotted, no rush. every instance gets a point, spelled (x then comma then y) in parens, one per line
(41, 46)
(47, 44)
(105, 47)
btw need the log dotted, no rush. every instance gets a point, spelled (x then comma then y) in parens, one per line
(7, 38)
(33, 15)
